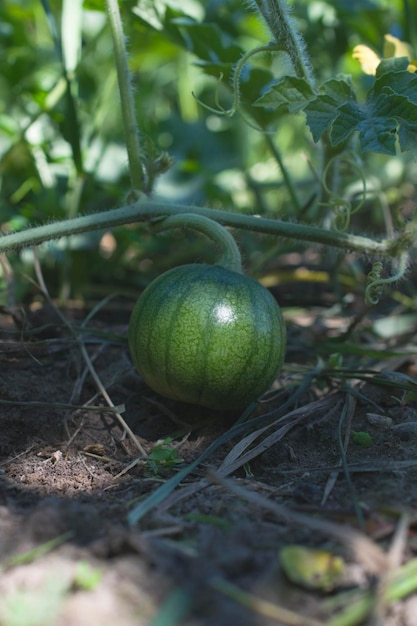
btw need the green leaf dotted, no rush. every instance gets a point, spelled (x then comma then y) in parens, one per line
(402, 83)
(151, 12)
(324, 109)
(393, 64)
(348, 117)
(289, 95)
(215, 49)
(340, 89)
(407, 134)
(392, 106)
(378, 134)
(208, 42)
(389, 114)
(396, 105)
(320, 114)
(94, 5)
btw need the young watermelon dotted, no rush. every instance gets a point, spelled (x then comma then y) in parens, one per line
(206, 335)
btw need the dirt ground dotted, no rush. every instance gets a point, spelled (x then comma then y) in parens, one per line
(70, 476)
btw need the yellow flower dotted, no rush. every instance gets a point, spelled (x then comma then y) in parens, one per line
(393, 47)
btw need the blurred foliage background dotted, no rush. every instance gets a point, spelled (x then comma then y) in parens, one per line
(62, 148)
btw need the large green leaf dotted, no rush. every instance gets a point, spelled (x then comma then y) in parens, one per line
(389, 114)
(393, 78)
(207, 41)
(407, 134)
(378, 134)
(347, 117)
(324, 108)
(215, 49)
(289, 95)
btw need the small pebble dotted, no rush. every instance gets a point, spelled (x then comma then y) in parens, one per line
(380, 421)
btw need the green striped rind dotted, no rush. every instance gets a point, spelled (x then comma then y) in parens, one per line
(208, 336)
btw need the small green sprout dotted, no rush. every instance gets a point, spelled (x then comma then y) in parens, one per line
(163, 456)
(86, 577)
(362, 439)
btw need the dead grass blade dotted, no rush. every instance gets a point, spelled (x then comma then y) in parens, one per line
(260, 606)
(35, 553)
(358, 468)
(242, 425)
(395, 556)
(236, 458)
(365, 551)
(34, 404)
(84, 352)
(348, 412)
(175, 608)
(351, 608)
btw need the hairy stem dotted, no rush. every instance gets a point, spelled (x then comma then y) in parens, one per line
(230, 255)
(276, 16)
(131, 131)
(147, 209)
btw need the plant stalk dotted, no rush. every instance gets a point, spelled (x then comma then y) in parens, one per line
(276, 14)
(145, 210)
(131, 132)
(230, 257)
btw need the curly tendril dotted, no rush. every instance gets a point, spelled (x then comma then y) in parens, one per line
(341, 208)
(219, 109)
(375, 282)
